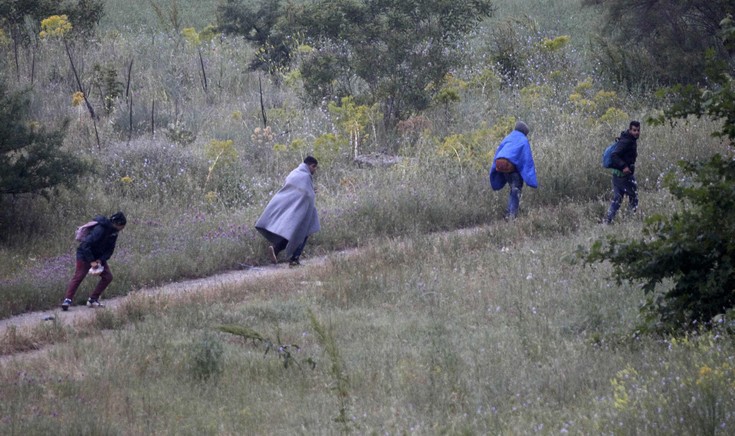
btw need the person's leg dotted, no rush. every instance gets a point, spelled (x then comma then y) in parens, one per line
(280, 245)
(631, 188)
(105, 280)
(276, 243)
(299, 250)
(618, 191)
(82, 268)
(514, 197)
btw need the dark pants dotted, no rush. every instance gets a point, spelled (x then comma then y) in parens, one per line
(515, 182)
(81, 272)
(279, 243)
(622, 186)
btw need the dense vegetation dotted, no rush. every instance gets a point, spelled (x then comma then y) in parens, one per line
(661, 40)
(187, 116)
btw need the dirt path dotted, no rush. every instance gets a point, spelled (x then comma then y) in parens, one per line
(27, 322)
(78, 314)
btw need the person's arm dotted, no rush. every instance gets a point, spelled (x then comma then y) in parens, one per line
(93, 238)
(110, 248)
(618, 162)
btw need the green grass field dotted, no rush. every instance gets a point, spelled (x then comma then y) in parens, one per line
(447, 320)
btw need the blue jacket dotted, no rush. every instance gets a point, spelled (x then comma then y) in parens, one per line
(516, 148)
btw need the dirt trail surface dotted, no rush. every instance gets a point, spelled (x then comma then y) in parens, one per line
(78, 313)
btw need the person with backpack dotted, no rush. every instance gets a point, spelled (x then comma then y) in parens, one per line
(95, 249)
(622, 166)
(291, 216)
(513, 165)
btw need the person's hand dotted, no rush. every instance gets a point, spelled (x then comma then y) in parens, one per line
(626, 170)
(95, 263)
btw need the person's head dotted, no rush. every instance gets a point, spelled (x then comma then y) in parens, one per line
(634, 128)
(522, 127)
(311, 162)
(118, 220)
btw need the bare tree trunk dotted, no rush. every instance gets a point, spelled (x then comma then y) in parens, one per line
(84, 94)
(153, 118)
(262, 106)
(33, 63)
(127, 85)
(130, 118)
(15, 53)
(204, 72)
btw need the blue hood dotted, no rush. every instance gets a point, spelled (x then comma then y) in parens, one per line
(516, 148)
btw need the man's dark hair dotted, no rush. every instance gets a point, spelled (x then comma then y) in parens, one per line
(310, 160)
(522, 127)
(635, 124)
(119, 219)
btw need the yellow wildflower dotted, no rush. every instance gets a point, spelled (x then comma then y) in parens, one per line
(127, 180)
(191, 35)
(211, 197)
(556, 43)
(4, 40)
(55, 25)
(77, 98)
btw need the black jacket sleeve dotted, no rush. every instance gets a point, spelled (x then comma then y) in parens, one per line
(99, 244)
(625, 153)
(86, 250)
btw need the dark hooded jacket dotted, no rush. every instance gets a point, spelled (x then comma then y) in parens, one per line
(626, 152)
(100, 241)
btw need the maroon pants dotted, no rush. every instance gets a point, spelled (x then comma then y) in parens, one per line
(79, 275)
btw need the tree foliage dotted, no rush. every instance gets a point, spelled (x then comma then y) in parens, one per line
(262, 25)
(83, 14)
(694, 249)
(661, 40)
(31, 158)
(21, 18)
(387, 51)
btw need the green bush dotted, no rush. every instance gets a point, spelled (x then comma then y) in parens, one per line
(206, 361)
(693, 248)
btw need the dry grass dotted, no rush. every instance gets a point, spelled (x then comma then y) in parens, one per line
(495, 330)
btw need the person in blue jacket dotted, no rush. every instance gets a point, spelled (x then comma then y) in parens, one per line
(513, 165)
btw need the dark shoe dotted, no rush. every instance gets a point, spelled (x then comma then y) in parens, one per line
(65, 305)
(272, 253)
(94, 303)
(294, 262)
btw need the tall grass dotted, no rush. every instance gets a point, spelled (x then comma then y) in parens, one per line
(499, 330)
(495, 329)
(189, 218)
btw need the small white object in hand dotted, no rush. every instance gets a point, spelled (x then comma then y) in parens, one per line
(95, 271)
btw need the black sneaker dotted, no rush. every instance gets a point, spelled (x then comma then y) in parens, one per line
(294, 262)
(94, 303)
(65, 305)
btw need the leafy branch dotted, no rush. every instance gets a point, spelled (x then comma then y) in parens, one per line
(283, 351)
(341, 380)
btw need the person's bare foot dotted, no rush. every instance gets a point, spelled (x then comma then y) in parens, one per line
(272, 253)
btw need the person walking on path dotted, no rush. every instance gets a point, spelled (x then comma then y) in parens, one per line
(624, 156)
(94, 250)
(291, 216)
(513, 165)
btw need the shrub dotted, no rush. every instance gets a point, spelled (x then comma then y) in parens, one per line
(205, 359)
